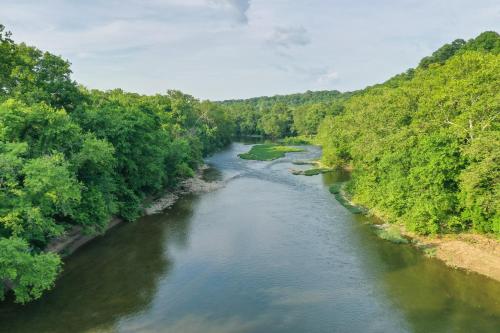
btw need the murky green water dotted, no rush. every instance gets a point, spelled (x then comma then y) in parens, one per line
(269, 252)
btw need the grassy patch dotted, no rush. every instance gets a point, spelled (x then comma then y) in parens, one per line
(268, 152)
(392, 234)
(335, 188)
(309, 172)
(338, 191)
(304, 162)
(316, 171)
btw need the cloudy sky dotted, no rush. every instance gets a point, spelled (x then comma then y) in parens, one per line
(221, 49)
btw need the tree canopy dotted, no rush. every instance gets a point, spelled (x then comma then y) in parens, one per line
(75, 157)
(425, 148)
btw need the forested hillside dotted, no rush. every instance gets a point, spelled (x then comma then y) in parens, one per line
(425, 145)
(71, 156)
(284, 115)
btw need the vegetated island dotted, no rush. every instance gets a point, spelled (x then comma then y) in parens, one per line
(268, 152)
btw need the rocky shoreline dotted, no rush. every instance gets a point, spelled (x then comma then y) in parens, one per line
(75, 237)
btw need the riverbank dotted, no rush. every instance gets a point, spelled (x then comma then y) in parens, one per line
(471, 252)
(194, 185)
(467, 251)
(183, 270)
(76, 237)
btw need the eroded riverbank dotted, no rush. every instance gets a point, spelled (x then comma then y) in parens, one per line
(76, 237)
(470, 252)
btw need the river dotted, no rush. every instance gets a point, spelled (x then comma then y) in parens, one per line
(267, 252)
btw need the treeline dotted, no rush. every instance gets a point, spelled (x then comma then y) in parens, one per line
(284, 115)
(75, 157)
(297, 99)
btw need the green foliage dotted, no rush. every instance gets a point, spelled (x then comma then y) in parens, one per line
(306, 118)
(316, 171)
(488, 41)
(392, 234)
(424, 146)
(443, 53)
(297, 140)
(341, 195)
(50, 190)
(35, 193)
(281, 116)
(44, 129)
(268, 152)
(70, 156)
(28, 274)
(265, 102)
(479, 186)
(95, 167)
(335, 188)
(33, 76)
(277, 122)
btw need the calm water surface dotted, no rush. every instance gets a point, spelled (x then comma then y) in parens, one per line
(268, 252)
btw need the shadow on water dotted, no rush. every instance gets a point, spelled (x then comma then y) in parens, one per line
(431, 296)
(111, 278)
(269, 252)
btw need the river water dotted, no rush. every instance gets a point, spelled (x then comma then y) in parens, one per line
(268, 252)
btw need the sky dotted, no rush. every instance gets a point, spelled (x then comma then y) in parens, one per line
(225, 49)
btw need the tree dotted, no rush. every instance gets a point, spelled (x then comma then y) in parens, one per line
(29, 275)
(277, 122)
(306, 118)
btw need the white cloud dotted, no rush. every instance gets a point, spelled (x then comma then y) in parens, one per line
(328, 77)
(289, 36)
(238, 8)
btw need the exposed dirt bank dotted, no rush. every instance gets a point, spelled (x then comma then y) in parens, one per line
(471, 252)
(75, 237)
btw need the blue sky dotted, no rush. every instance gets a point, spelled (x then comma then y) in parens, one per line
(221, 49)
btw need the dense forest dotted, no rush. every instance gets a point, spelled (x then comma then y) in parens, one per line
(423, 146)
(71, 156)
(284, 115)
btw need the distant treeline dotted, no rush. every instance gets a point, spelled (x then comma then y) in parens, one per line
(424, 146)
(284, 115)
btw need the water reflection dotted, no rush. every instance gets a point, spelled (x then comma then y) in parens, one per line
(435, 298)
(431, 296)
(115, 276)
(269, 252)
